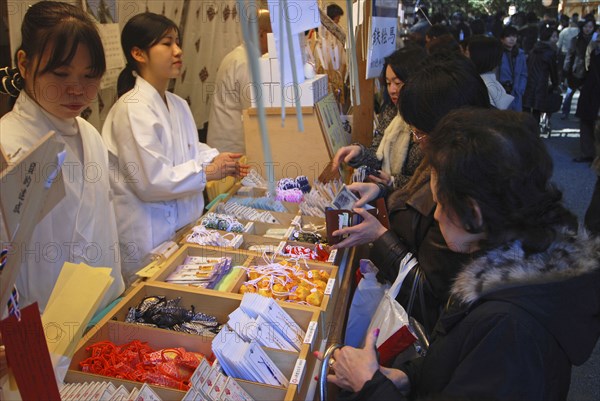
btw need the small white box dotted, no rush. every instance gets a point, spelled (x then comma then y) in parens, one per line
(264, 66)
(271, 46)
(275, 73)
(263, 91)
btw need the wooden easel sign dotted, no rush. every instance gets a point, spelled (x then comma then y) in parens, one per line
(25, 197)
(330, 121)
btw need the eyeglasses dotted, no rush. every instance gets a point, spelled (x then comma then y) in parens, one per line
(418, 135)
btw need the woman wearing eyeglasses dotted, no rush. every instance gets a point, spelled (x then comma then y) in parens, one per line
(525, 308)
(446, 82)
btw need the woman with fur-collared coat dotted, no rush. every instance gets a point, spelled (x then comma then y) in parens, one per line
(527, 307)
(444, 83)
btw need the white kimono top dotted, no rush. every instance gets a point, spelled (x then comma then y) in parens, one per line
(232, 95)
(81, 228)
(159, 170)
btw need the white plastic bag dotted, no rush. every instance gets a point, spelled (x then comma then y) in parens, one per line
(366, 298)
(391, 318)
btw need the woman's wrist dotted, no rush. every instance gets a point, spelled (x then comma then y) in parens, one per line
(383, 190)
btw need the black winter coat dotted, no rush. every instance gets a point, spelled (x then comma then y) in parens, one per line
(589, 98)
(541, 68)
(575, 60)
(515, 326)
(413, 229)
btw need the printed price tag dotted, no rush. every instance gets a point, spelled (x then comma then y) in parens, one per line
(329, 288)
(298, 373)
(280, 247)
(332, 256)
(310, 334)
(289, 232)
(237, 241)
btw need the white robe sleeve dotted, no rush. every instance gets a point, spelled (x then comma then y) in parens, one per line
(151, 174)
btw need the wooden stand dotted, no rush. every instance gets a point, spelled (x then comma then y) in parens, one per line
(294, 153)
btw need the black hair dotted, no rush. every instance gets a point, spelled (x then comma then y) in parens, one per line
(403, 62)
(142, 31)
(497, 159)
(508, 30)
(477, 27)
(437, 30)
(442, 44)
(546, 32)
(485, 52)
(333, 10)
(445, 81)
(60, 27)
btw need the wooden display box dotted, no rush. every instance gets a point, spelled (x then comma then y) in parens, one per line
(291, 208)
(253, 192)
(335, 256)
(238, 258)
(282, 218)
(122, 333)
(329, 300)
(260, 229)
(219, 305)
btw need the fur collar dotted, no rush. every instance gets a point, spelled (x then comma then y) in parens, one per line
(568, 256)
(393, 148)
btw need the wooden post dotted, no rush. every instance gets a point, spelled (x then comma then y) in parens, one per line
(362, 120)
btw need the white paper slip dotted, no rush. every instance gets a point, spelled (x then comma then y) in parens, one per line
(235, 392)
(119, 394)
(218, 387)
(200, 374)
(210, 381)
(147, 394)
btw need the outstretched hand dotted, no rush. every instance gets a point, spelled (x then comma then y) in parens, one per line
(226, 164)
(350, 368)
(345, 154)
(367, 231)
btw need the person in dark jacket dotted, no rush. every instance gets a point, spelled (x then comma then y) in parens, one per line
(574, 66)
(529, 32)
(589, 97)
(588, 109)
(541, 68)
(525, 309)
(445, 82)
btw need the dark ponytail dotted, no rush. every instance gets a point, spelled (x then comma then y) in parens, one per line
(11, 81)
(142, 31)
(126, 80)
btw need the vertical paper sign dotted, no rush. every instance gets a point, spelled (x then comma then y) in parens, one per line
(382, 40)
(27, 355)
(382, 43)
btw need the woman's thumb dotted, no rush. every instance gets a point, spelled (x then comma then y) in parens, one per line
(371, 340)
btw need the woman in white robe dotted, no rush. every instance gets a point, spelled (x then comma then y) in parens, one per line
(62, 51)
(153, 143)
